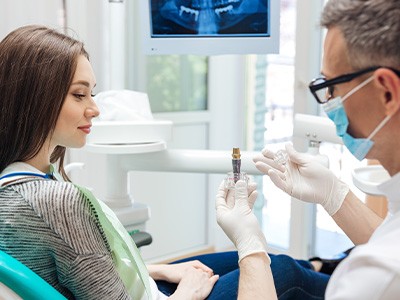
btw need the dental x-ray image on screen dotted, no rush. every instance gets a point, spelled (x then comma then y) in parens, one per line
(210, 17)
(210, 27)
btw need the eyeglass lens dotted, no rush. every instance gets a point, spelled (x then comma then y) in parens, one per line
(323, 94)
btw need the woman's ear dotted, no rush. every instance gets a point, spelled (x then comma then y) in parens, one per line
(389, 84)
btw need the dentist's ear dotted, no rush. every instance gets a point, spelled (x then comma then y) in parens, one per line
(389, 83)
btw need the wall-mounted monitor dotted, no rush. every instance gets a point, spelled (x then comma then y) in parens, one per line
(210, 27)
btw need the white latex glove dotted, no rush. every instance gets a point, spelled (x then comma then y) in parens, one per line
(238, 221)
(304, 178)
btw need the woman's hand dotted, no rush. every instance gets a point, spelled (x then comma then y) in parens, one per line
(196, 284)
(174, 273)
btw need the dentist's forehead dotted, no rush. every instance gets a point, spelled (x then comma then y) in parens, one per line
(335, 60)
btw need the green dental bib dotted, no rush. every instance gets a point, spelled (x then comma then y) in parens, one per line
(125, 254)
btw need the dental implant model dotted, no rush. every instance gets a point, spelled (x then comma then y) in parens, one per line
(236, 162)
(233, 177)
(281, 157)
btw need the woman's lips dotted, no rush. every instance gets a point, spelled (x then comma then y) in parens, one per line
(85, 129)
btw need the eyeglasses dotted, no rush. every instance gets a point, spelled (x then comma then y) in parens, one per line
(322, 89)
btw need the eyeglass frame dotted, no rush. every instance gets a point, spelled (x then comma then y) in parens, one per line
(341, 79)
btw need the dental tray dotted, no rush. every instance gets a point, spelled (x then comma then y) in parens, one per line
(129, 132)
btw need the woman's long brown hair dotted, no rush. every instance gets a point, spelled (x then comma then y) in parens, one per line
(37, 65)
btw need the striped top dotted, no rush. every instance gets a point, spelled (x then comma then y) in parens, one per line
(51, 227)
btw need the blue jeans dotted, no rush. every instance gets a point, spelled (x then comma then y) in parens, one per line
(294, 279)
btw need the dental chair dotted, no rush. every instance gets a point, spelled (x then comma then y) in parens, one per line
(30, 286)
(23, 281)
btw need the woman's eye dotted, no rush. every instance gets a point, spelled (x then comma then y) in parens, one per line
(79, 96)
(83, 95)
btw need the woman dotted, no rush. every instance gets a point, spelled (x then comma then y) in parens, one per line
(46, 82)
(57, 228)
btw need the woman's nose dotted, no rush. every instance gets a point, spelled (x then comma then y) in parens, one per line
(92, 111)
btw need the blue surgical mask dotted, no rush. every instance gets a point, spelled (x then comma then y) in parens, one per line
(359, 147)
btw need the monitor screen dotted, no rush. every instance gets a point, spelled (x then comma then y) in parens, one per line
(210, 27)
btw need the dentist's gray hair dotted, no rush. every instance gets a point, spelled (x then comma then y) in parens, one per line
(371, 29)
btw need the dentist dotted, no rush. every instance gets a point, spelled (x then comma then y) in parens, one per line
(360, 92)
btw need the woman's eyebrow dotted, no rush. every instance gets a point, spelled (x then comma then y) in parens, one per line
(82, 82)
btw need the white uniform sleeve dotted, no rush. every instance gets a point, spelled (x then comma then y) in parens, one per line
(364, 277)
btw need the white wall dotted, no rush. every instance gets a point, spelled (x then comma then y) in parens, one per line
(15, 13)
(86, 20)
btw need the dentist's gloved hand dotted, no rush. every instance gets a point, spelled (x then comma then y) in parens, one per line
(235, 216)
(304, 178)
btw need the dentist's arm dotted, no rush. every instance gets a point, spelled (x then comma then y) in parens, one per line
(356, 219)
(256, 281)
(304, 178)
(235, 216)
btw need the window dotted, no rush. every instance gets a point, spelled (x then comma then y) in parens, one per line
(174, 83)
(279, 124)
(177, 83)
(326, 238)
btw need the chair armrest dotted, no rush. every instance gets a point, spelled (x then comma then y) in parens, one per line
(141, 238)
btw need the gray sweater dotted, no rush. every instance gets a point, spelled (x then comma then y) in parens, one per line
(52, 228)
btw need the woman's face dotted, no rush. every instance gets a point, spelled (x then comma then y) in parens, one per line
(78, 110)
